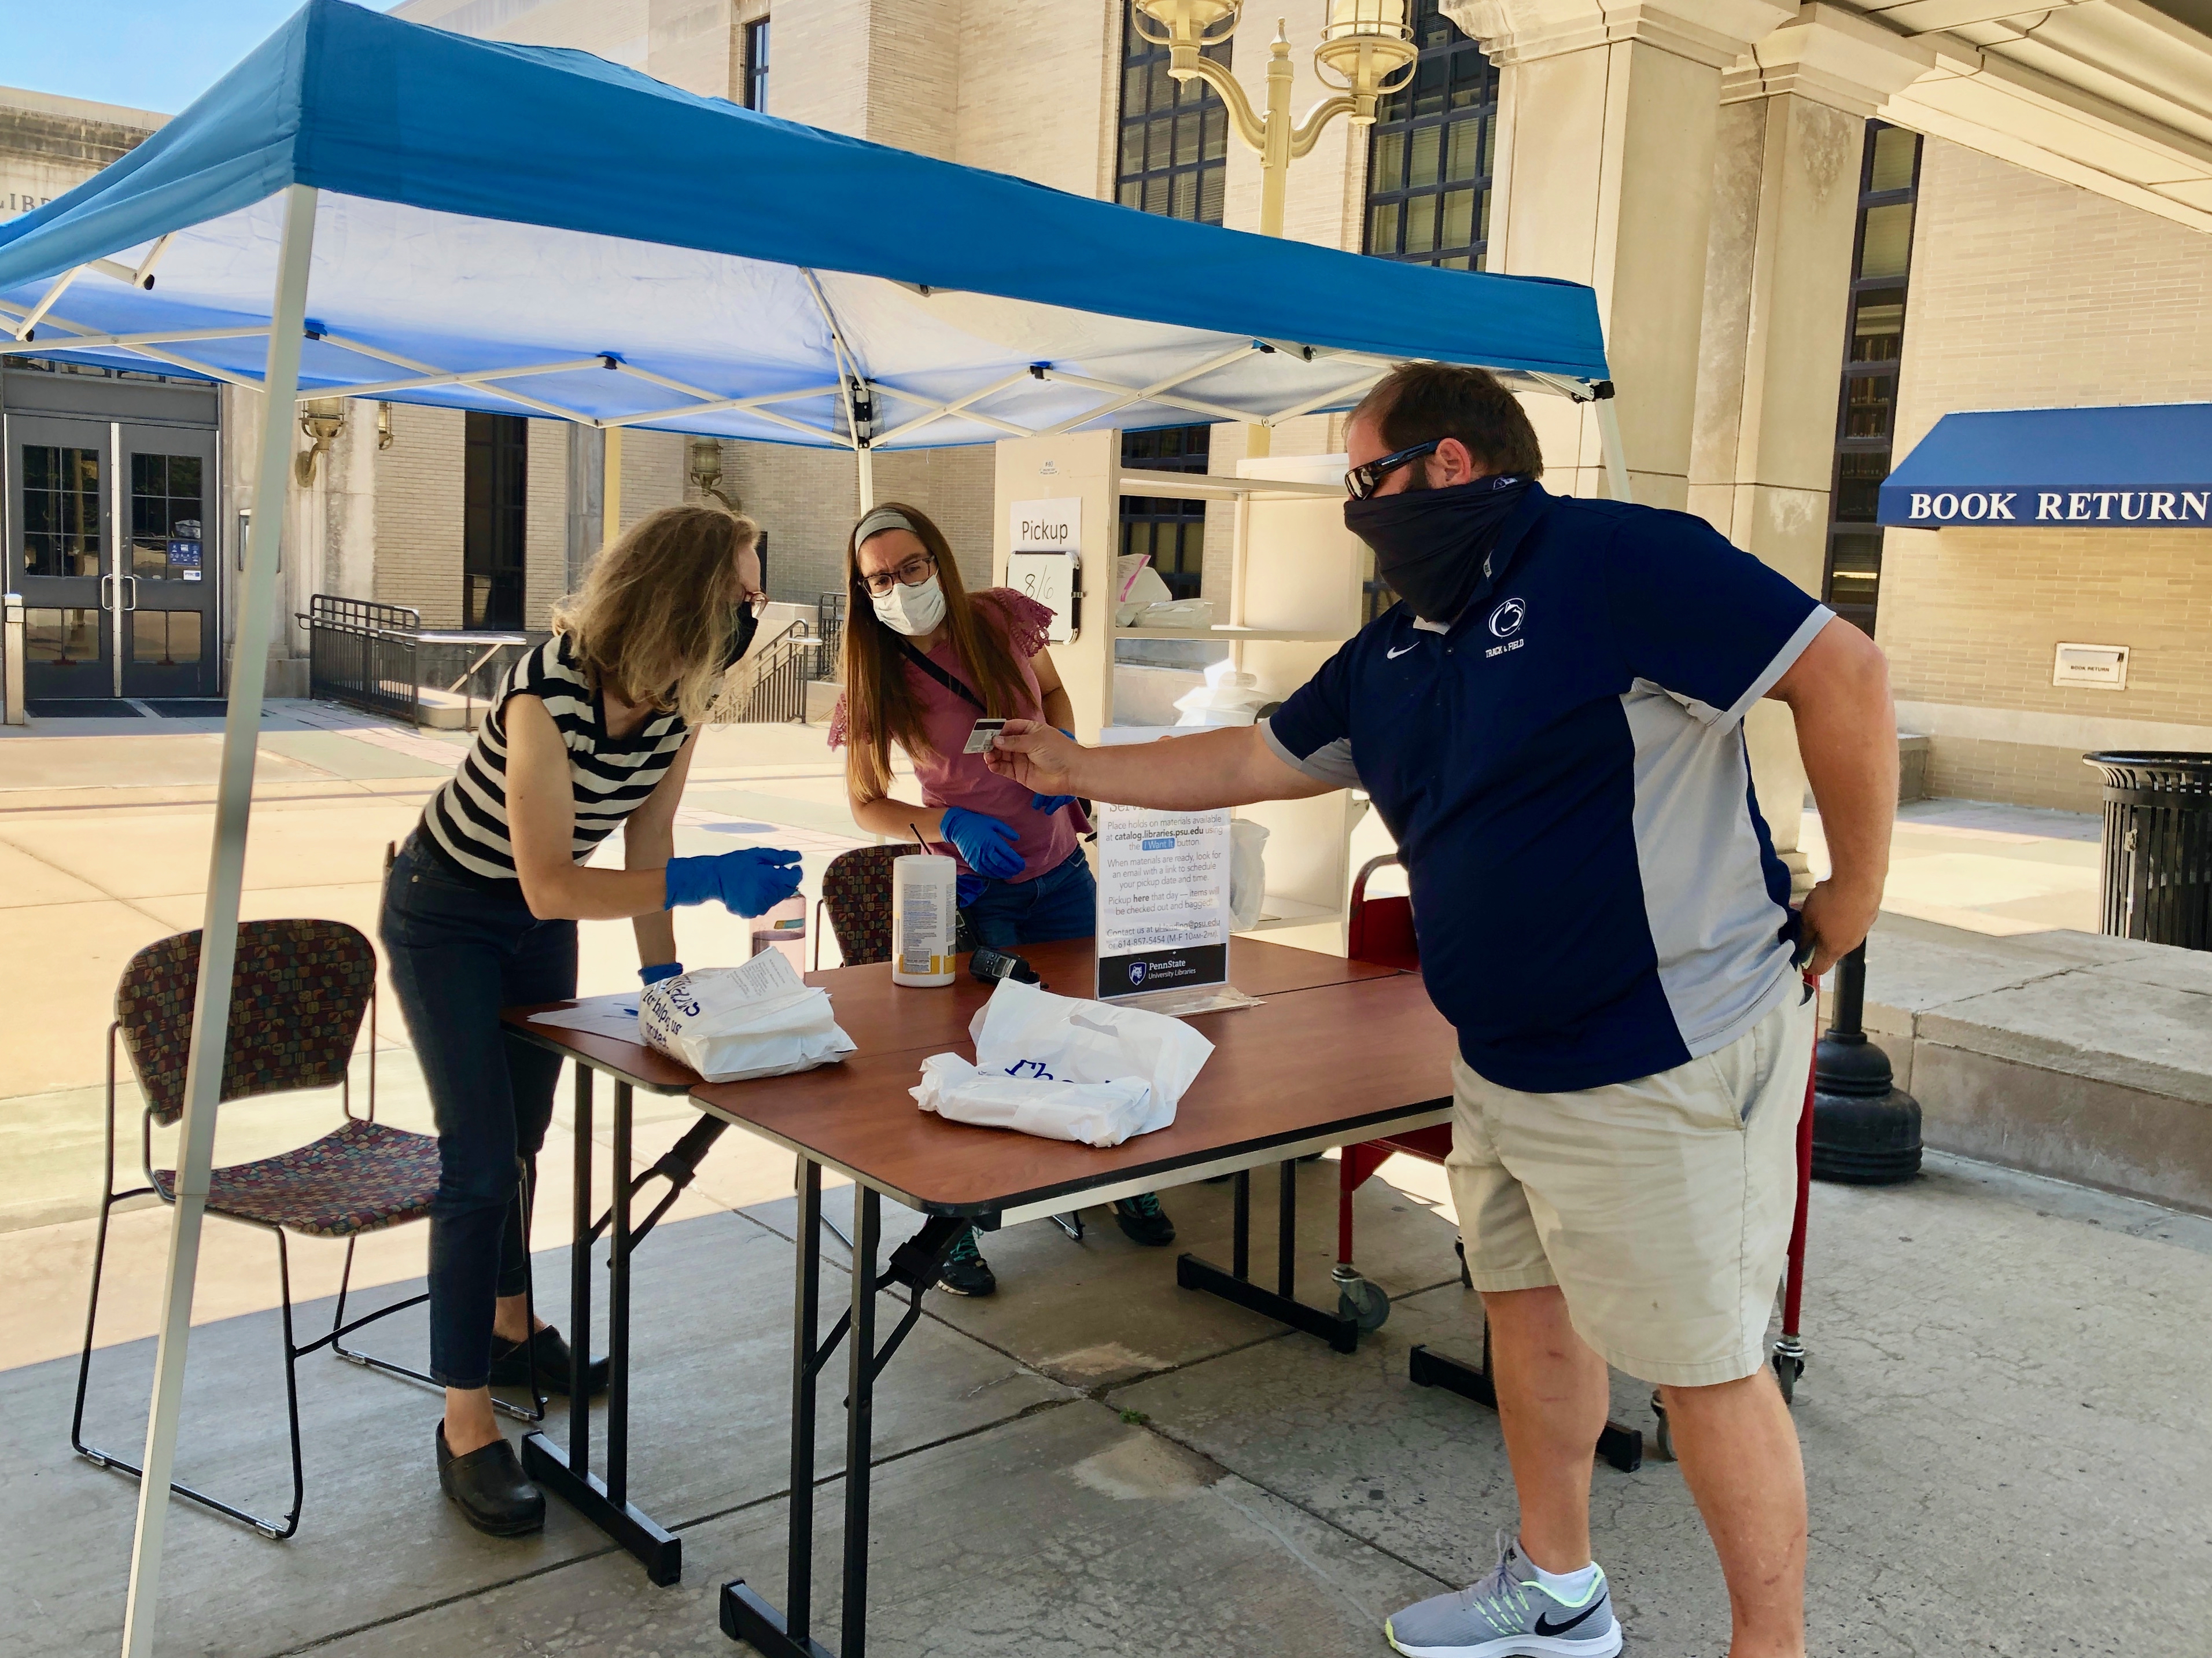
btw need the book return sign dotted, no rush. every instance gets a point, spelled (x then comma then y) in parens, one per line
(1163, 917)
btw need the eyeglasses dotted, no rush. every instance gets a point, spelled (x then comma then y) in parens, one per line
(1361, 481)
(915, 571)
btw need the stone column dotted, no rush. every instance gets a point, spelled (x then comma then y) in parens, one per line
(1784, 190)
(1608, 126)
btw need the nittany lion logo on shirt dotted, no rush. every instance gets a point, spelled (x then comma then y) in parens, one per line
(1505, 620)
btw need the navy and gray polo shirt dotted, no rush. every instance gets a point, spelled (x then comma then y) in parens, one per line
(1596, 896)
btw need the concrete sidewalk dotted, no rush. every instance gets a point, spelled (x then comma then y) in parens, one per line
(2003, 1424)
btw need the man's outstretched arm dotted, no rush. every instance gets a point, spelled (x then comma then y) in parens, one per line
(1232, 767)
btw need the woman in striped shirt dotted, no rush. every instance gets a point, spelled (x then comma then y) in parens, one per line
(591, 732)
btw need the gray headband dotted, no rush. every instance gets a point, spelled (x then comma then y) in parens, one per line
(883, 518)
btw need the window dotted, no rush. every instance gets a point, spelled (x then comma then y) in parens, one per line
(1174, 138)
(61, 511)
(1882, 258)
(755, 87)
(492, 521)
(1431, 151)
(1175, 158)
(1172, 531)
(165, 516)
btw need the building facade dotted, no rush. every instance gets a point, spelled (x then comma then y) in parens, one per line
(1812, 229)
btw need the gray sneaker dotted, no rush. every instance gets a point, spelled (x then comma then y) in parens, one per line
(1509, 1611)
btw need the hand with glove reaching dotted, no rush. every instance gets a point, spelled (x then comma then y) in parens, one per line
(748, 882)
(653, 974)
(986, 842)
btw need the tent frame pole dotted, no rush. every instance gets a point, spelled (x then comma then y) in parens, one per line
(241, 732)
(1616, 457)
(864, 459)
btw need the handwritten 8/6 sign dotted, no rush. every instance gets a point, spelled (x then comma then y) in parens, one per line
(1046, 542)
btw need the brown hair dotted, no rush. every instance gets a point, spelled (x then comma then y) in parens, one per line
(655, 614)
(1417, 402)
(880, 705)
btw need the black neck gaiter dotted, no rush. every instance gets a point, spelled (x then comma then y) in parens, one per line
(1433, 546)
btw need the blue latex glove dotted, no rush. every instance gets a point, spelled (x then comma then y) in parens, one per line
(747, 882)
(653, 975)
(986, 842)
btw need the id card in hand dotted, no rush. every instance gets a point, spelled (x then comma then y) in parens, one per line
(980, 740)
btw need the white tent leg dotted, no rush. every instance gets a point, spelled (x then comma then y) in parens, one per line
(1616, 457)
(241, 730)
(864, 459)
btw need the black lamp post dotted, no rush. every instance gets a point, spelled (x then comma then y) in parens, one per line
(1866, 1131)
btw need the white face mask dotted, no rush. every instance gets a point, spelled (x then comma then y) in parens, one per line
(912, 611)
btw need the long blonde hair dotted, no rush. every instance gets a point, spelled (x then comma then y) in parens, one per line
(655, 615)
(880, 706)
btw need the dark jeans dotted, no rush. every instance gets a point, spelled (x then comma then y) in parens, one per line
(460, 948)
(1062, 903)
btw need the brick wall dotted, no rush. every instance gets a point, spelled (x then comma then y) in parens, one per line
(2028, 293)
(418, 513)
(546, 521)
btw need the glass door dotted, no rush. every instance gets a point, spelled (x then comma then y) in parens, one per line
(60, 553)
(168, 628)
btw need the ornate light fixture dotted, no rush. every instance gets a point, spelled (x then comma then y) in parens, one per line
(704, 457)
(1366, 51)
(322, 419)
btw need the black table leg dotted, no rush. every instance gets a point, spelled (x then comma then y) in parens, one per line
(745, 1616)
(1282, 1303)
(569, 1477)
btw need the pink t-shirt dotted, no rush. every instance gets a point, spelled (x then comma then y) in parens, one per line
(950, 778)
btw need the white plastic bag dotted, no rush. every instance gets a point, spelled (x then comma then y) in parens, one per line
(1247, 872)
(1064, 1069)
(1186, 615)
(729, 1023)
(1229, 697)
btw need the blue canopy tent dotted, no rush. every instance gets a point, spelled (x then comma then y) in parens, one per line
(370, 207)
(2142, 466)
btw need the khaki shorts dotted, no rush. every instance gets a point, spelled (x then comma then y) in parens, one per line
(1661, 1207)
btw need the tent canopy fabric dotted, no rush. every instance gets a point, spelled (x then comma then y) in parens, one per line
(2140, 467)
(535, 230)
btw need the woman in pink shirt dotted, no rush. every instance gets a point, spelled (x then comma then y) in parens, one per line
(923, 662)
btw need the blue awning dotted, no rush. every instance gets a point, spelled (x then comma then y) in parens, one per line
(530, 229)
(2144, 466)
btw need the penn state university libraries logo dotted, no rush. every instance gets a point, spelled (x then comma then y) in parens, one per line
(1136, 973)
(1505, 620)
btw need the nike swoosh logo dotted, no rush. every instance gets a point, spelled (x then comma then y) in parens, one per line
(1545, 1626)
(1392, 656)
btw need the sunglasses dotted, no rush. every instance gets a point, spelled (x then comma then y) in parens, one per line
(1361, 481)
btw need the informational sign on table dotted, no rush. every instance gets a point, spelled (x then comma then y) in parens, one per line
(1163, 900)
(1046, 552)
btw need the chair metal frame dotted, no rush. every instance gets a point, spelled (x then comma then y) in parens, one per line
(294, 1350)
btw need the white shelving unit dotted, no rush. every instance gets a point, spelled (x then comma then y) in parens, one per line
(1293, 594)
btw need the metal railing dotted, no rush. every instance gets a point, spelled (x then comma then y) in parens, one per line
(791, 662)
(830, 607)
(363, 654)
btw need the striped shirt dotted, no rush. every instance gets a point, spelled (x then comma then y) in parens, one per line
(610, 776)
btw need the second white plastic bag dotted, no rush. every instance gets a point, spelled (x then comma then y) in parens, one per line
(1066, 1069)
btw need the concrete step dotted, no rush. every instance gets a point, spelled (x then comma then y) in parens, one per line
(2066, 1053)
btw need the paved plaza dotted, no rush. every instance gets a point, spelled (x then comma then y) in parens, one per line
(2002, 1418)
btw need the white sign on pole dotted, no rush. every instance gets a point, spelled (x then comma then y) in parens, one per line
(1047, 551)
(1163, 919)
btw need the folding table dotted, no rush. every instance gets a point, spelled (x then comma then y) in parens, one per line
(1340, 1052)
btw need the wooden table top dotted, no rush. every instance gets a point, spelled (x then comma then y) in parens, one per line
(1339, 1046)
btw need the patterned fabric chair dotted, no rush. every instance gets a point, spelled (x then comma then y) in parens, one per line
(856, 888)
(299, 992)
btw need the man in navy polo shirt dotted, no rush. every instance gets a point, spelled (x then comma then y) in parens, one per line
(1550, 723)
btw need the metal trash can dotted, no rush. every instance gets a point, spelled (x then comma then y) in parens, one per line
(2157, 883)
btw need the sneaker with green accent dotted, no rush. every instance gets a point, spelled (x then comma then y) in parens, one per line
(1142, 1220)
(965, 1272)
(1508, 1612)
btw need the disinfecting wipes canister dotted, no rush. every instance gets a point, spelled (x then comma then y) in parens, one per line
(923, 899)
